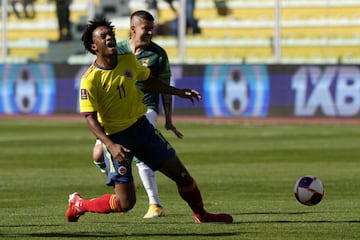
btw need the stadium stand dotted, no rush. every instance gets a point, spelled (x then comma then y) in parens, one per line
(233, 31)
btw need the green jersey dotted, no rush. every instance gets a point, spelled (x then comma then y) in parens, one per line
(155, 58)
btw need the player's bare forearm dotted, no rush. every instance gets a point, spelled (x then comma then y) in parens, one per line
(95, 127)
(117, 151)
(154, 85)
(161, 87)
(167, 104)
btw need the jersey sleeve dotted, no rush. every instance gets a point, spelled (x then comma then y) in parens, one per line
(87, 94)
(164, 66)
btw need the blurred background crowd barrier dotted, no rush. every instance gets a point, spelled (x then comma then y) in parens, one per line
(249, 58)
(229, 31)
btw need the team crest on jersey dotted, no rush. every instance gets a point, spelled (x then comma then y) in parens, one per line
(122, 170)
(128, 74)
(145, 62)
(83, 94)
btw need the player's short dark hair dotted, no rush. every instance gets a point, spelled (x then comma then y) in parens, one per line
(97, 21)
(143, 15)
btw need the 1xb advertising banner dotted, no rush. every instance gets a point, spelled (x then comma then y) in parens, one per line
(282, 90)
(228, 90)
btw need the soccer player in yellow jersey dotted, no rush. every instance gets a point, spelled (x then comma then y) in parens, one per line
(153, 56)
(114, 111)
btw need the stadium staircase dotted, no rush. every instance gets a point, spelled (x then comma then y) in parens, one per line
(232, 31)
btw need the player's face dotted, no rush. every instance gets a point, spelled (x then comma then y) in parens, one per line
(143, 31)
(104, 42)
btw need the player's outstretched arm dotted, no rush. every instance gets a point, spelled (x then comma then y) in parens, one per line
(159, 86)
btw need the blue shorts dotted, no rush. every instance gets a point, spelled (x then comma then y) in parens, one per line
(144, 142)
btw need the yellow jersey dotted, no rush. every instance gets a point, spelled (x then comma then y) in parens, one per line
(113, 93)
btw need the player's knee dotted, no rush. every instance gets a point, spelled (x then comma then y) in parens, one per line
(126, 206)
(125, 196)
(98, 155)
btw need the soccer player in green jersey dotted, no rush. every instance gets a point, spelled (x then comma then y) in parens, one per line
(115, 113)
(153, 56)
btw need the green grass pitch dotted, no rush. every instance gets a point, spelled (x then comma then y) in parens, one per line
(245, 169)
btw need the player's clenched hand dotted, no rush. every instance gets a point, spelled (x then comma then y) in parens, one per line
(119, 152)
(190, 94)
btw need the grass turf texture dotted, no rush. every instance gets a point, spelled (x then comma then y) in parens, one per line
(247, 170)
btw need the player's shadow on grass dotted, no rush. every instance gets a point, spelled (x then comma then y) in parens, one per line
(103, 234)
(276, 213)
(112, 235)
(302, 221)
(292, 221)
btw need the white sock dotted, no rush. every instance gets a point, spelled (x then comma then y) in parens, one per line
(147, 176)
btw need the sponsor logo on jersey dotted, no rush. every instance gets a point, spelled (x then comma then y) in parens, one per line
(83, 94)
